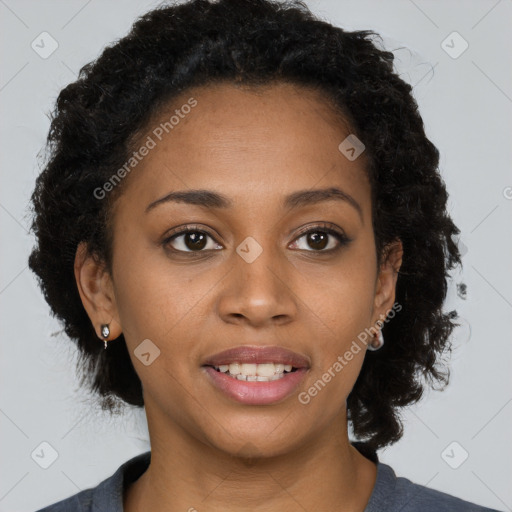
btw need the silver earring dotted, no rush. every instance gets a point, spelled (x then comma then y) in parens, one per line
(105, 332)
(377, 342)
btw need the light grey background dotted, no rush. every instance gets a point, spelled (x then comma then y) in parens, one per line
(466, 103)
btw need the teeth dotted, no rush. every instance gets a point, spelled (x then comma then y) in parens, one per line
(251, 372)
(234, 368)
(257, 378)
(248, 369)
(266, 370)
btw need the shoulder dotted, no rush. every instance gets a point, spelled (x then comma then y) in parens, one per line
(108, 494)
(414, 497)
(398, 493)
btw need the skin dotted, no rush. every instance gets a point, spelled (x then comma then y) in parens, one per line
(255, 146)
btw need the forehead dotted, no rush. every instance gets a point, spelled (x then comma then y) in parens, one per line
(246, 141)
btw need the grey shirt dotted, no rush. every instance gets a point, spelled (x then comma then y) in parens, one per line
(390, 493)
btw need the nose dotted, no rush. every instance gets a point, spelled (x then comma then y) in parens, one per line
(258, 293)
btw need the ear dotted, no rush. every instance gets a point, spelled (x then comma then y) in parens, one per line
(386, 280)
(96, 291)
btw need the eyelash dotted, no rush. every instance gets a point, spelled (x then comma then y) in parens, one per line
(342, 239)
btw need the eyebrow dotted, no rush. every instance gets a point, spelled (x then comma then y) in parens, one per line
(215, 200)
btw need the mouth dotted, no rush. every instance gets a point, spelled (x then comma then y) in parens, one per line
(256, 375)
(250, 372)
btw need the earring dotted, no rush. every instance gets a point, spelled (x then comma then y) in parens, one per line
(105, 332)
(377, 342)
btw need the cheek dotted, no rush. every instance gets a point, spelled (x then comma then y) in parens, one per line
(158, 302)
(152, 293)
(340, 297)
(341, 304)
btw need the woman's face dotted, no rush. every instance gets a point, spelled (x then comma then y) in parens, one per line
(247, 275)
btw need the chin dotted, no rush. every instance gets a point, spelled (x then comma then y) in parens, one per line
(250, 437)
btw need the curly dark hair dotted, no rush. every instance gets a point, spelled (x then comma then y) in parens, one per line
(94, 129)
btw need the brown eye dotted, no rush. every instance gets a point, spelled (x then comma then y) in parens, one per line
(194, 241)
(191, 240)
(321, 239)
(317, 240)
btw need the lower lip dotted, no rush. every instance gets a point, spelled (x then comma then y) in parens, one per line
(256, 393)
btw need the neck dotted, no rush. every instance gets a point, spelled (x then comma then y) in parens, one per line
(326, 473)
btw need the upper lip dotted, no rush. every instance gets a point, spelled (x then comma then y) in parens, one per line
(258, 355)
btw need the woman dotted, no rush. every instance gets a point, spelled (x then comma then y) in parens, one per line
(239, 207)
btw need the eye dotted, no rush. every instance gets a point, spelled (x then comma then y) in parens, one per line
(191, 239)
(322, 238)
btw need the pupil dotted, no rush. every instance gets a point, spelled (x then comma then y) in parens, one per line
(197, 240)
(317, 238)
